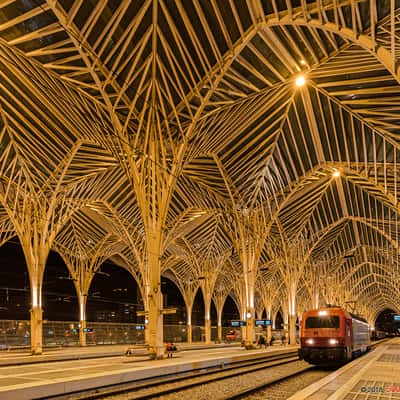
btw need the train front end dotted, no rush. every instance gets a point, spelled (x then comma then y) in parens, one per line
(323, 338)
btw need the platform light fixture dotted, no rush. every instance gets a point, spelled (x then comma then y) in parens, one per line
(336, 173)
(300, 81)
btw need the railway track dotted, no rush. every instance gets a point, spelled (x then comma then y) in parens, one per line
(286, 385)
(272, 369)
(157, 386)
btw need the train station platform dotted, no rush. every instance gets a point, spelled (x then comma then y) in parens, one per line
(46, 379)
(10, 358)
(373, 376)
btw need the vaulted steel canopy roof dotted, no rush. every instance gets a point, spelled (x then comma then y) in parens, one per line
(112, 110)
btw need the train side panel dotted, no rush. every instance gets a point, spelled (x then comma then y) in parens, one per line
(361, 336)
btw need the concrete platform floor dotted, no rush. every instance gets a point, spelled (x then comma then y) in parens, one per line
(9, 358)
(375, 376)
(58, 377)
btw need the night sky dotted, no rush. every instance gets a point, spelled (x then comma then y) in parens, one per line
(113, 296)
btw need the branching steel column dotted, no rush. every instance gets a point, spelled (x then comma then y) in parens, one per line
(207, 287)
(82, 299)
(155, 305)
(83, 265)
(207, 322)
(35, 255)
(219, 301)
(189, 294)
(189, 323)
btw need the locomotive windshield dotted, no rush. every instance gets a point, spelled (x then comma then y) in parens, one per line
(331, 321)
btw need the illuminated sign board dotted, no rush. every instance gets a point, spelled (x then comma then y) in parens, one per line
(236, 324)
(263, 322)
(396, 318)
(87, 330)
(140, 327)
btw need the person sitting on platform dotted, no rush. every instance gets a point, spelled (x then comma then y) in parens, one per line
(261, 341)
(170, 349)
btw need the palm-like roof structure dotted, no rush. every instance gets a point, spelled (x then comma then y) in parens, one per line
(171, 135)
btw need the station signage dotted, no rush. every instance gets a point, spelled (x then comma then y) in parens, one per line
(237, 324)
(396, 318)
(87, 330)
(262, 322)
(140, 327)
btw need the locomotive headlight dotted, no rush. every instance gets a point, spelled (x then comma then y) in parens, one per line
(333, 341)
(310, 341)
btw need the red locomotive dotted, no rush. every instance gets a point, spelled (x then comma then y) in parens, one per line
(332, 335)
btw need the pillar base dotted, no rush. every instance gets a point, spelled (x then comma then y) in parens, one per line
(36, 331)
(269, 334)
(189, 333)
(292, 330)
(157, 353)
(155, 335)
(82, 334)
(250, 331)
(207, 331)
(250, 346)
(243, 333)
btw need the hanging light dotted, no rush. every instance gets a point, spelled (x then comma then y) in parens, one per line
(300, 81)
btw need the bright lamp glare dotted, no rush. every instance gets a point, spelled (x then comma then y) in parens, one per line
(310, 341)
(336, 174)
(322, 312)
(333, 341)
(300, 81)
(248, 315)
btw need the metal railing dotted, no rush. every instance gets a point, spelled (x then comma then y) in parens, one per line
(16, 333)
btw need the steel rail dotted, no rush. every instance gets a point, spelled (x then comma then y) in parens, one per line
(202, 376)
(249, 391)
